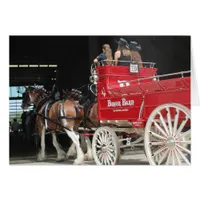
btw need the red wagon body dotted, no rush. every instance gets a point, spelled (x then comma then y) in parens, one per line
(123, 95)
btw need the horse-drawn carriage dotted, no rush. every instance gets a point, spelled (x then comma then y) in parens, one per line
(135, 107)
(133, 100)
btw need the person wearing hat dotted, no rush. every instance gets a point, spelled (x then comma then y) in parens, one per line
(135, 49)
(105, 55)
(122, 55)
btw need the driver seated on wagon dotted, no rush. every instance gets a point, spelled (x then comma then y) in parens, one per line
(135, 50)
(122, 55)
(105, 57)
(128, 52)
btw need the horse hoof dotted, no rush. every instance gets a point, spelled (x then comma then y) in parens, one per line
(70, 157)
(88, 158)
(78, 162)
(40, 160)
(60, 159)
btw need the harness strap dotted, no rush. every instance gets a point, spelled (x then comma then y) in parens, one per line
(45, 113)
(53, 121)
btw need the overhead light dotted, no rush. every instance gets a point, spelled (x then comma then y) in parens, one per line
(13, 65)
(23, 65)
(33, 65)
(52, 65)
(43, 65)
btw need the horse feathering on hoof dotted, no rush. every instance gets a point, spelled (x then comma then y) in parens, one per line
(61, 115)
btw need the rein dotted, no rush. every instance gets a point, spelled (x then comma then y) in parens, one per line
(54, 121)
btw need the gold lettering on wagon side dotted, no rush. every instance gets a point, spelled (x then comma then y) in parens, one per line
(123, 102)
(121, 110)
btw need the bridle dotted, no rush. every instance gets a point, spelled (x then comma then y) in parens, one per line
(28, 92)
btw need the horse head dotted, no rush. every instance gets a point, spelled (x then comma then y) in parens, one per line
(31, 96)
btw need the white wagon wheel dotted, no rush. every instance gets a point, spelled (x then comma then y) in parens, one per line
(105, 146)
(171, 144)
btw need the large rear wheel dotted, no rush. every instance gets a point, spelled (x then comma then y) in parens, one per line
(167, 136)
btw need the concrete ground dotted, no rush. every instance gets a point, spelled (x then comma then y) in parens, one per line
(130, 157)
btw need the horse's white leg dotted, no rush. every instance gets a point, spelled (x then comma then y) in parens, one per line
(60, 153)
(75, 138)
(88, 155)
(41, 154)
(72, 151)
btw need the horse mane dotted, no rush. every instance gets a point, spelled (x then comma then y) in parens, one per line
(40, 91)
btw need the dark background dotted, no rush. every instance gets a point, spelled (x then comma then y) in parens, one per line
(74, 54)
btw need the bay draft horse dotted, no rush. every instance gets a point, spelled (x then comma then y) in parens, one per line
(62, 115)
(90, 115)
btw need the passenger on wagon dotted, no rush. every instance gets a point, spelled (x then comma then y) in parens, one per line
(135, 49)
(123, 54)
(105, 55)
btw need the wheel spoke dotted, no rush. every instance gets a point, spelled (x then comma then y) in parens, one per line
(168, 158)
(159, 151)
(106, 159)
(163, 157)
(164, 124)
(98, 146)
(185, 134)
(183, 156)
(109, 141)
(160, 129)
(157, 135)
(99, 141)
(182, 141)
(102, 136)
(169, 121)
(103, 159)
(156, 158)
(100, 156)
(156, 143)
(177, 157)
(182, 125)
(109, 156)
(105, 137)
(173, 158)
(176, 122)
(111, 148)
(99, 153)
(184, 149)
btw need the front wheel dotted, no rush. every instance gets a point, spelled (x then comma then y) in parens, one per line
(105, 146)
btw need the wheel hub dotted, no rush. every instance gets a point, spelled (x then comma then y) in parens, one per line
(104, 148)
(171, 143)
